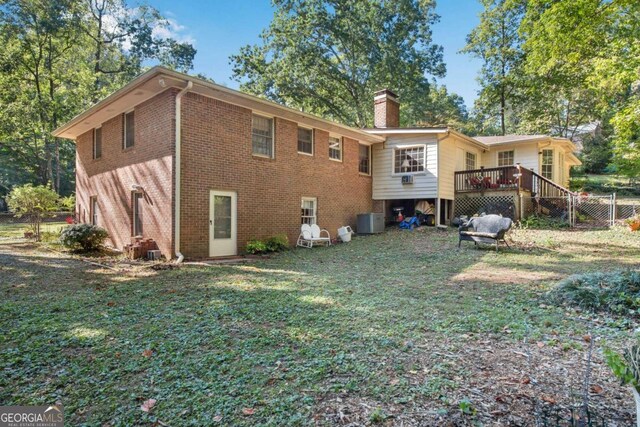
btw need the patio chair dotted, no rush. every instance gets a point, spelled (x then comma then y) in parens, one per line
(485, 229)
(312, 234)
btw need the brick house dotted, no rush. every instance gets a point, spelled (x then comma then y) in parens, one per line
(202, 169)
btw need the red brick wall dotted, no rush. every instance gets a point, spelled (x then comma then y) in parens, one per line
(386, 111)
(216, 155)
(148, 163)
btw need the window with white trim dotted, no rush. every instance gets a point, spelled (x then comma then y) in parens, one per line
(335, 148)
(262, 136)
(409, 159)
(305, 141)
(506, 158)
(364, 163)
(308, 208)
(93, 209)
(138, 200)
(470, 161)
(129, 127)
(547, 164)
(97, 143)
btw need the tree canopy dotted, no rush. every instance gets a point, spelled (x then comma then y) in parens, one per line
(328, 57)
(57, 57)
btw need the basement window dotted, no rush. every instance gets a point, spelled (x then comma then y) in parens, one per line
(308, 210)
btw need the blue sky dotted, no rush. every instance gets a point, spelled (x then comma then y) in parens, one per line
(218, 28)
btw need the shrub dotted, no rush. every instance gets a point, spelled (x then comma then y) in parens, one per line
(536, 222)
(256, 247)
(272, 244)
(277, 243)
(615, 292)
(85, 237)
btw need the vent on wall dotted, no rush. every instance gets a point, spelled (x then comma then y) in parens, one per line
(407, 179)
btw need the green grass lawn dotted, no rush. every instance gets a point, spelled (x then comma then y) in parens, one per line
(16, 230)
(399, 328)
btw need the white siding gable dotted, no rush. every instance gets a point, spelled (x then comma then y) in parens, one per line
(387, 185)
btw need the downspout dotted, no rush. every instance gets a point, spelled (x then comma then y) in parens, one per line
(177, 194)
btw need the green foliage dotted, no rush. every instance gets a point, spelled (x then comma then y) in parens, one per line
(627, 366)
(596, 154)
(497, 42)
(328, 58)
(614, 292)
(466, 407)
(377, 416)
(56, 59)
(83, 237)
(276, 243)
(256, 247)
(68, 204)
(537, 222)
(35, 202)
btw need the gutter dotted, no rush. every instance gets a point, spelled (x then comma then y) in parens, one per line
(177, 195)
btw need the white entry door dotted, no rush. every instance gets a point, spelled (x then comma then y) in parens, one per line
(222, 224)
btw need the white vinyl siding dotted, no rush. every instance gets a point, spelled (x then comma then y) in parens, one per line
(452, 157)
(388, 185)
(262, 136)
(524, 153)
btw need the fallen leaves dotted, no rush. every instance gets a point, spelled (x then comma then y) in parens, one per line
(148, 405)
(597, 389)
(147, 353)
(248, 411)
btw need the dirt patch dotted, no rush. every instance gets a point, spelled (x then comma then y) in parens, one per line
(493, 382)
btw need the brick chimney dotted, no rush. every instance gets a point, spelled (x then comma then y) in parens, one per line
(386, 109)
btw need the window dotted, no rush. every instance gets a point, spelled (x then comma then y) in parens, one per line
(93, 209)
(305, 141)
(547, 164)
(129, 130)
(222, 217)
(262, 136)
(409, 160)
(470, 161)
(364, 164)
(505, 158)
(335, 148)
(308, 208)
(138, 199)
(97, 143)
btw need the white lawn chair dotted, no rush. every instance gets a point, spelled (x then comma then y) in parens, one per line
(312, 234)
